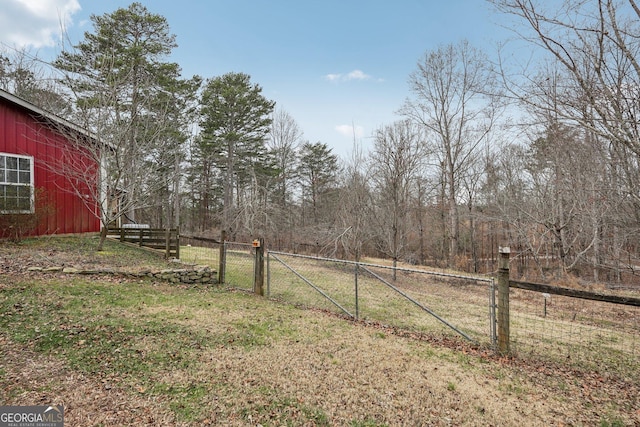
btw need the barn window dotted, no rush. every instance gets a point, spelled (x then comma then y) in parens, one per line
(16, 183)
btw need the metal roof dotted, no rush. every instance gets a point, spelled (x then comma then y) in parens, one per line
(34, 109)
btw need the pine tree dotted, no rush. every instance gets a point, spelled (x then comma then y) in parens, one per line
(235, 122)
(127, 93)
(318, 169)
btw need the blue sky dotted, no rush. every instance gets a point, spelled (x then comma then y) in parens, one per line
(333, 65)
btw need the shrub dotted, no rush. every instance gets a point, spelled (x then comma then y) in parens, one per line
(16, 226)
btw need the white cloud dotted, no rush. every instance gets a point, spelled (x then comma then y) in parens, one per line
(358, 75)
(352, 75)
(35, 23)
(350, 131)
(333, 77)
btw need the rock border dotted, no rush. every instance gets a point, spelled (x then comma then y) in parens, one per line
(197, 275)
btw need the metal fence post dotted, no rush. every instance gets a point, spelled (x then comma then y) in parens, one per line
(503, 300)
(356, 290)
(492, 314)
(268, 275)
(223, 257)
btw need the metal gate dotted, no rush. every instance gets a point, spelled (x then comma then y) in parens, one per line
(421, 300)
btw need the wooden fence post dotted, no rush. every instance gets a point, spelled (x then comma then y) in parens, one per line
(167, 243)
(223, 257)
(258, 281)
(503, 300)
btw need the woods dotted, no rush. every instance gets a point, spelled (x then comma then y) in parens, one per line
(542, 158)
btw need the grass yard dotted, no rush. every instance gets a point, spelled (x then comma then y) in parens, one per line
(117, 351)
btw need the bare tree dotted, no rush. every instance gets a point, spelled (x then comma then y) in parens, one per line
(284, 141)
(595, 49)
(398, 154)
(354, 216)
(454, 101)
(597, 44)
(470, 184)
(26, 77)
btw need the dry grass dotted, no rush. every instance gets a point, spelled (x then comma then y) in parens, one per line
(119, 352)
(31, 378)
(581, 333)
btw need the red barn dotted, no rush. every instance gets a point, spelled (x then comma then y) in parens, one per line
(34, 184)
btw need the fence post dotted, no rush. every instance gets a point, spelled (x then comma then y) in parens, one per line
(167, 243)
(258, 280)
(492, 315)
(356, 290)
(268, 275)
(503, 300)
(223, 257)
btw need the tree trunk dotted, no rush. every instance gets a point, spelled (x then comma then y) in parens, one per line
(454, 222)
(228, 190)
(103, 238)
(472, 236)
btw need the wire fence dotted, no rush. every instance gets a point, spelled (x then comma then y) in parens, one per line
(239, 259)
(597, 335)
(239, 265)
(200, 250)
(593, 334)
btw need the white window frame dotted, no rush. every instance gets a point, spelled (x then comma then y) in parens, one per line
(4, 182)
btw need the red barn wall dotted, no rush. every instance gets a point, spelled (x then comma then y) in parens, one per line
(21, 134)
